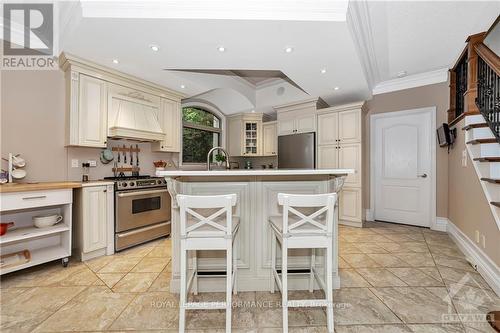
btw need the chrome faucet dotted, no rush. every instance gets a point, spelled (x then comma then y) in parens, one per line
(211, 151)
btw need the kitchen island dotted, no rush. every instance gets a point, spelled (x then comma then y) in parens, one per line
(257, 192)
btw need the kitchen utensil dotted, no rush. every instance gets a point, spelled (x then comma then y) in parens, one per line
(124, 154)
(15, 259)
(119, 159)
(85, 175)
(4, 227)
(44, 221)
(18, 173)
(18, 161)
(106, 156)
(137, 155)
(131, 156)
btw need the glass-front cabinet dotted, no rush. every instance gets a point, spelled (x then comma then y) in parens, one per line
(252, 137)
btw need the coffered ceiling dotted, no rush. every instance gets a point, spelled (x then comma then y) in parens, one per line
(337, 50)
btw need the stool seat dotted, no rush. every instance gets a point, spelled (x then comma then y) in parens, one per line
(206, 231)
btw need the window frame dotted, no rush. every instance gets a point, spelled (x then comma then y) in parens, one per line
(221, 130)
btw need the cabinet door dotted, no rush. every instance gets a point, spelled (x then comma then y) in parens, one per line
(350, 158)
(251, 140)
(327, 157)
(328, 128)
(350, 126)
(305, 123)
(92, 118)
(270, 139)
(170, 120)
(94, 218)
(235, 136)
(350, 204)
(286, 123)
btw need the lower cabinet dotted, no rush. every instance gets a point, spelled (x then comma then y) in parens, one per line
(93, 215)
(350, 205)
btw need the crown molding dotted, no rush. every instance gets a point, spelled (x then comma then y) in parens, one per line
(412, 81)
(358, 22)
(296, 10)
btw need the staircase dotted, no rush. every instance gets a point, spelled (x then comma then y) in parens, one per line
(482, 125)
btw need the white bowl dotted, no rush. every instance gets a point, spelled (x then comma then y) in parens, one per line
(18, 174)
(44, 221)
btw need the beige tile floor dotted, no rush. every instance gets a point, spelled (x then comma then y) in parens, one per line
(393, 279)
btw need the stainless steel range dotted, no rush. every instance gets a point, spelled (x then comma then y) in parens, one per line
(142, 210)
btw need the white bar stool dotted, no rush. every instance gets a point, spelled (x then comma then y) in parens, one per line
(295, 230)
(199, 232)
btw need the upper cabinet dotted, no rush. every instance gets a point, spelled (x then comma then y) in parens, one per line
(298, 117)
(270, 138)
(338, 125)
(245, 134)
(102, 103)
(170, 121)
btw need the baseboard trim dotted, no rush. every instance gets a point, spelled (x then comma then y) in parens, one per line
(351, 223)
(441, 224)
(369, 215)
(485, 266)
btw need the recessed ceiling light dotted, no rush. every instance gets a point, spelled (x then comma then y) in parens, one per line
(115, 61)
(323, 71)
(221, 49)
(336, 88)
(289, 49)
(154, 47)
(401, 74)
(183, 86)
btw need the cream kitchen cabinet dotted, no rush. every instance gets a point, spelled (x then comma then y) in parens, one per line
(298, 117)
(245, 137)
(93, 216)
(87, 120)
(339, 146)
(171, 121)
(270, 138)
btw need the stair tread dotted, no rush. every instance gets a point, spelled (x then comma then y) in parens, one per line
(491, 180)
(479, 141)
(495, 203)
(471, 126)
(487, 159)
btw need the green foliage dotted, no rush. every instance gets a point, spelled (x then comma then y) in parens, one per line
(197, 142)
(220, 157)
(199, 116)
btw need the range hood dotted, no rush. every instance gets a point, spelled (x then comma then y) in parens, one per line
(134, 119)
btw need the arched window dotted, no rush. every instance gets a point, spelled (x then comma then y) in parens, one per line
(201, 131)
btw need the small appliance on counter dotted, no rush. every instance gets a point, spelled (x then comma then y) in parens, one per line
(142, 210)
(248, 165)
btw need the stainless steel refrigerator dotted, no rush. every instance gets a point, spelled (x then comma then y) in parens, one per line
(297, 151)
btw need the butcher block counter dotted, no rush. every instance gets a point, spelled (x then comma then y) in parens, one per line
(45, 186)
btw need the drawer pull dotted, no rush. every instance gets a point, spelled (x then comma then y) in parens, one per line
(37, 197)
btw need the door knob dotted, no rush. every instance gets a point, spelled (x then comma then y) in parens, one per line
(423, 175)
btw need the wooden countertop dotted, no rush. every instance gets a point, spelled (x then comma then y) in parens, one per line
(42, 186)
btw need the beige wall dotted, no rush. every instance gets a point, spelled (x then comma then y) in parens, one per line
(32, 124)
(468, 208)
(431, 95)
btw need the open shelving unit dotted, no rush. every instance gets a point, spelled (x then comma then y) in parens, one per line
(44, 244)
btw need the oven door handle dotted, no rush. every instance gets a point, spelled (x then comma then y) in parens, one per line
(136, 193)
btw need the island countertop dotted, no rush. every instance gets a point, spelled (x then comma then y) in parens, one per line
(253, 172)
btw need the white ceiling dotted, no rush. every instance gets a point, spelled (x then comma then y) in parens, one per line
(359, 47)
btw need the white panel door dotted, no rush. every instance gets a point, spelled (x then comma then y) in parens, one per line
(350, 126)
(92, 120)
(350, 158)
(403, 165)
(305, 123)
(350, 204)
(170, 118)
(95, 211)
(327, 157)
(328, 128)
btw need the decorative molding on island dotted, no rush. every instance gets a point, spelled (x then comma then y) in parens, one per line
(257, 192)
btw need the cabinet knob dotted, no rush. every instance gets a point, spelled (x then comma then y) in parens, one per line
(105, 191)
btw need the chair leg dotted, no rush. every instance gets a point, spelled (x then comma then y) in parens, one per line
(284, 283)
(273, 260)
(329, 286)
(182, 290)
(229, 264)
(195, 277)
(311, 275)
(235, 269)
